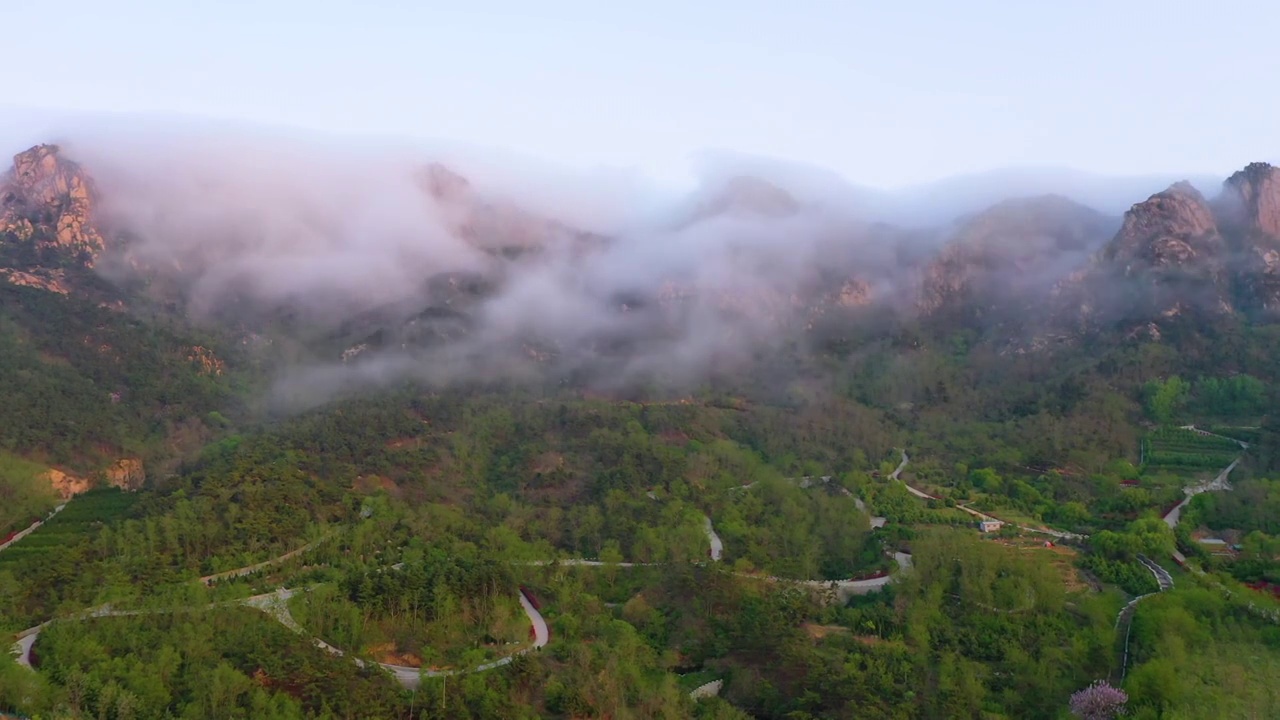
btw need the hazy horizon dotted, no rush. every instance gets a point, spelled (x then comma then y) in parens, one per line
(924, 204)
(888, 98)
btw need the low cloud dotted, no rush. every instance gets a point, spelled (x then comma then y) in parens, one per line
(629, 281)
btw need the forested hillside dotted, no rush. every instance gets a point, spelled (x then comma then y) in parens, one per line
(84, 383)
(809, 480)
(466, 488)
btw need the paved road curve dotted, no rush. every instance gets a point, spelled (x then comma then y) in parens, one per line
(276, 605)
(1221, 482)
(1125, 616)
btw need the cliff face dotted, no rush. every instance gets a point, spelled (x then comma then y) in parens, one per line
(1257, 188)
(46, 210)
(1250, 204)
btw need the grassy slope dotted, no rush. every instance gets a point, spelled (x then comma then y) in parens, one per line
(25, 494)
(1234, 679)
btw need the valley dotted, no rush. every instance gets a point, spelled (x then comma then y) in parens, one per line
(755, 458)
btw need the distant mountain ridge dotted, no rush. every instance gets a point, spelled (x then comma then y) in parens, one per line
(776, 267)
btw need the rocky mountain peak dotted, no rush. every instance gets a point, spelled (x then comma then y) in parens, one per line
(1168, 260)
(1173, 228)
(1257, 187)
(46, 204)
(1250, 208)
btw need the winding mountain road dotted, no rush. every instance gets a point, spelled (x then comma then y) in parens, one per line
(846, 589)
(1125, 616)
(411, 677)
(897, 476)
(250, 569)
(276, 605)
(1221, 482)
(1060, 534)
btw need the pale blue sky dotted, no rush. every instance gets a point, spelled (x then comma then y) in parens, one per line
(885, 93)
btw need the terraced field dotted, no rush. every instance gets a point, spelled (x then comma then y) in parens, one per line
(83, 515)
(1181, 449)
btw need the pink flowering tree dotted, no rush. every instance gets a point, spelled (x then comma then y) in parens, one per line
(1099, 701)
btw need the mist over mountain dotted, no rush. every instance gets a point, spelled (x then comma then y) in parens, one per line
(388, 261)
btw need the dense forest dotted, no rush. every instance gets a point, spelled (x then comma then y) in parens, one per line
(84, 384)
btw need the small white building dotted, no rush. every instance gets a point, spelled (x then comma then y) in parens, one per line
(990, 526)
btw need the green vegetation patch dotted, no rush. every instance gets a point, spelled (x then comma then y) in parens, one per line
(236, 662)
(1198, 653)
(25, 493)
(1189, 450)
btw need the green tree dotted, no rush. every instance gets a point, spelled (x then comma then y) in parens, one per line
(1164, 400)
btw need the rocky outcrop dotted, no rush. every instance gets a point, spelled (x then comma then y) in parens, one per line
(126, 474)
(67, 486)
(1257, 189)
(1010, 255)
(46, 205)
(444, 184)
(53, 281)
(1168, 259)
(1250, 206)
(208, 363)
(494, 225)
(852, 293)
(1173, 229)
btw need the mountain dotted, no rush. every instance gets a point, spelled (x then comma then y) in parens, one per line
(744, 264)
(46, 220)
(945, 200)
(1008, 256)
(742, 196)
(1250, 207)
(1168, 258)
(1178, 255)
(498, 226)
(441, 408)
